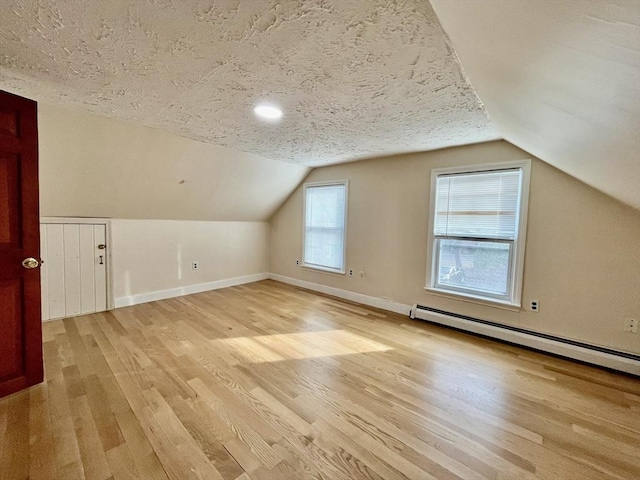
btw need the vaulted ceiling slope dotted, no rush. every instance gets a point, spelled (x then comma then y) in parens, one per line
(559, 79)
(355, 77)
(91, 166)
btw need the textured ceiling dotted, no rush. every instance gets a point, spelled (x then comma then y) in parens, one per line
(560, 79)
(355, 78)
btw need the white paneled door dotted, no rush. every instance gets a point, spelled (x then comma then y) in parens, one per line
(74, 269)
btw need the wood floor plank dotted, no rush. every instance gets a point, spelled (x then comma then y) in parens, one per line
(67, 461)
(266, 381)
(41, 464)
(15, 454)
(92, 453)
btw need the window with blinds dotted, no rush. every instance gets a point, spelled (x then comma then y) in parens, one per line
(476, 228)
(324, 225)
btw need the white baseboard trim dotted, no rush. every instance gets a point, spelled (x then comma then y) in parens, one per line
(188, 290)
(376, 302)
(576, 352)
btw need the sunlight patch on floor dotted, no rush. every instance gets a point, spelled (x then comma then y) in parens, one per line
(296, 346)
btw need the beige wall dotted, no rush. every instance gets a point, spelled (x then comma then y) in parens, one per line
(582, 254)
(97, 167)
(151, 256)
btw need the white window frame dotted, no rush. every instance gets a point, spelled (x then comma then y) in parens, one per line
(517, 254)
(312, 266)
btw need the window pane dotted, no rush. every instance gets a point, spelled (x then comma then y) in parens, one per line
(324, 225)
(482, 266)
(325, 206)
(478, 204)
(323, 247)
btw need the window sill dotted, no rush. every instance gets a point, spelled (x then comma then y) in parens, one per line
(317, 268)
(463, 297)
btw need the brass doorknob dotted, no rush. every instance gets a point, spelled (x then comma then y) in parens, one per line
(30, 263)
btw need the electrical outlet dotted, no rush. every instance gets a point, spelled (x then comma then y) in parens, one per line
(297, 262)
(351, 272)
(534, 306)
(194, 265)
(631, 325)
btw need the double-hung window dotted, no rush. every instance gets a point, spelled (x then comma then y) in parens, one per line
(477, 231)
(325, 213)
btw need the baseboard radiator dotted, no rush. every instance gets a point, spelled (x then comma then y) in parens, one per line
(604, 357)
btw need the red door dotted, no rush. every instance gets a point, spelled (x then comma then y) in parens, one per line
(20, 323)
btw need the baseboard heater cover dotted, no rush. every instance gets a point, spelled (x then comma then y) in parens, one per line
(604, 357)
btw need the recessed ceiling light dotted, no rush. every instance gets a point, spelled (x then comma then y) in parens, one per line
(269, 112)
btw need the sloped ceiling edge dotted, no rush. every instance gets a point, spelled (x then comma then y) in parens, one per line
(560, 80)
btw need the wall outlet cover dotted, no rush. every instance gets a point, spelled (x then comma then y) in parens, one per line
(630, 325)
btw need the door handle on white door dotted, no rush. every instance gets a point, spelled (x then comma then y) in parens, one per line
(30, 263)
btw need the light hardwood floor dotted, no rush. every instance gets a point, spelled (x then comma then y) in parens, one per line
(266, 381)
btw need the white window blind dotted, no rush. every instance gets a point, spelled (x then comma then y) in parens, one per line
(325, 226)
(478, 205)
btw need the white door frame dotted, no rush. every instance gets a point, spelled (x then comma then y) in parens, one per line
(92, 221)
